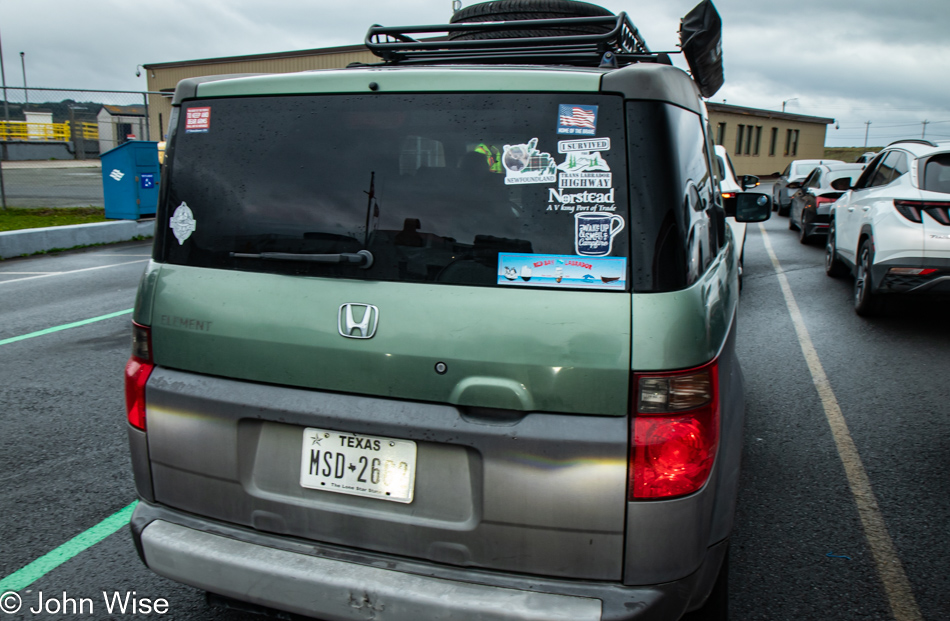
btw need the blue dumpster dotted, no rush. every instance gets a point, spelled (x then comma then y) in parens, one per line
(130, 179)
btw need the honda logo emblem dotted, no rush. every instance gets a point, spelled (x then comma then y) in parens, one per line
(358, 321)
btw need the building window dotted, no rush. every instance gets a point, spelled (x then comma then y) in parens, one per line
(788, 141)
(748, 140)
(774, 141)
(758, 139)
(795, 142)
(720, 133)
(740, 129)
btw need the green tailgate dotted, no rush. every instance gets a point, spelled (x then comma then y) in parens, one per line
(556, 351)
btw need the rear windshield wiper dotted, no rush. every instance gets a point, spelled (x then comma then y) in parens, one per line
(363, 258)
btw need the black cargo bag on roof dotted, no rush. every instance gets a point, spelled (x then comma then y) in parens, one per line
(701, 42)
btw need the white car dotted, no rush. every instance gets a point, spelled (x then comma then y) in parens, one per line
(794, 172)
(892, 229)
(730, 186)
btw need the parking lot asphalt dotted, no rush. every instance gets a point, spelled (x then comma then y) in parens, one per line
(800, 550)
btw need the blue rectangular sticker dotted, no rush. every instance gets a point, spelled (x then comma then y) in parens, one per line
(148, 181)
(577, 120)
(562, 270)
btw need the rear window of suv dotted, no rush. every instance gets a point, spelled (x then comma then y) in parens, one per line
(437, 187)
(937, 174)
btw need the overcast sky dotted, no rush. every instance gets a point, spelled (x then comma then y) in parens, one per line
(853, 60)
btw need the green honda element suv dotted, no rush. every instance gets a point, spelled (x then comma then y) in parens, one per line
(451, 336)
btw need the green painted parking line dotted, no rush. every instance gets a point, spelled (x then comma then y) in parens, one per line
(40, 567)
(75, 324)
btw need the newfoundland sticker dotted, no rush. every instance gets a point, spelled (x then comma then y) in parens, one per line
(567, 271)
(198, 120)
(579, 120)
(593, 144)
(525, 164)
(594, 233)
(182, 223)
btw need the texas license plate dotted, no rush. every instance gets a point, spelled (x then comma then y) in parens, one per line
(350, 463)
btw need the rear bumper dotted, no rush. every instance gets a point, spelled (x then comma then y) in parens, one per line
(937, 283)
(335, 583)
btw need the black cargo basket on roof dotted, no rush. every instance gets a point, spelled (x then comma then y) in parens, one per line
(619, 45)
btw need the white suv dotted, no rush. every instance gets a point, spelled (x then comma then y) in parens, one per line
(892, 229)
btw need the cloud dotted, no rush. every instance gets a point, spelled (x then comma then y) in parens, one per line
(855, 61)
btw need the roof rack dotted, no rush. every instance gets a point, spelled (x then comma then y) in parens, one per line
(620, 44)
(923, 141)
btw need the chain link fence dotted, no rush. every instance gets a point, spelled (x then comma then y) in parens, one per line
(51, 140)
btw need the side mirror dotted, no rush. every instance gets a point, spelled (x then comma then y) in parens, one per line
(794, 185)
(776, 174)
(749, 181)
(843, 184)
(749, 207)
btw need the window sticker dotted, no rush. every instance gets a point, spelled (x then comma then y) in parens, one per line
(592, 144)
(571, 202)
(565, 271)
(525, 164)
(578, 120)
(584, 169)
(182, 223)
(198, 120)
(594, 233)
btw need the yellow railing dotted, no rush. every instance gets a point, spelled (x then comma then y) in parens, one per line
(48, 132)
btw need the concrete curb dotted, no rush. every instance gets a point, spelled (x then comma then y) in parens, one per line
(31, 241)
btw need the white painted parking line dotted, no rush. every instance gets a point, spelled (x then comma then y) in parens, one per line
(85, 269)
(900, 596)
(21, 273)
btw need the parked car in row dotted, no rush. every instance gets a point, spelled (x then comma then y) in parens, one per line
(795, 171)
(892, 229)
(730, 186)
(462, 345)
(810, 209)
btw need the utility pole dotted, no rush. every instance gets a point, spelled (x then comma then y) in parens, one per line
(788, 100)
(924, 132)
(867, 128)
(25, 90)
(3, 73)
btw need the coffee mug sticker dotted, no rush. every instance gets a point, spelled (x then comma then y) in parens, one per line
(594, 233)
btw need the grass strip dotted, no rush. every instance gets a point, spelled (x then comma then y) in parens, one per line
(17, 218)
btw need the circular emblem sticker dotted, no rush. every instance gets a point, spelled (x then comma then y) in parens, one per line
(182, 223)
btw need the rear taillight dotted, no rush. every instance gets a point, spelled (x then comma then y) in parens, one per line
(675, 432)
(912, 271)
(909, 209)
(728, 194)
(938, 210)
(137, 370)
(822, 200)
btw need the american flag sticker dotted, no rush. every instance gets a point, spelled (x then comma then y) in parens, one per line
(197, 120)
(577, 120)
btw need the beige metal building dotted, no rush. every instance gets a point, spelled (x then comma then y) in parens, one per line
(763, 142)
(760, 142)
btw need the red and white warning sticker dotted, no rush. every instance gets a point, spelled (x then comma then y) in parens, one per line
(197, 120)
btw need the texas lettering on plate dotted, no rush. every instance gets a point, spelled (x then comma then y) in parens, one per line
(349, 463)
